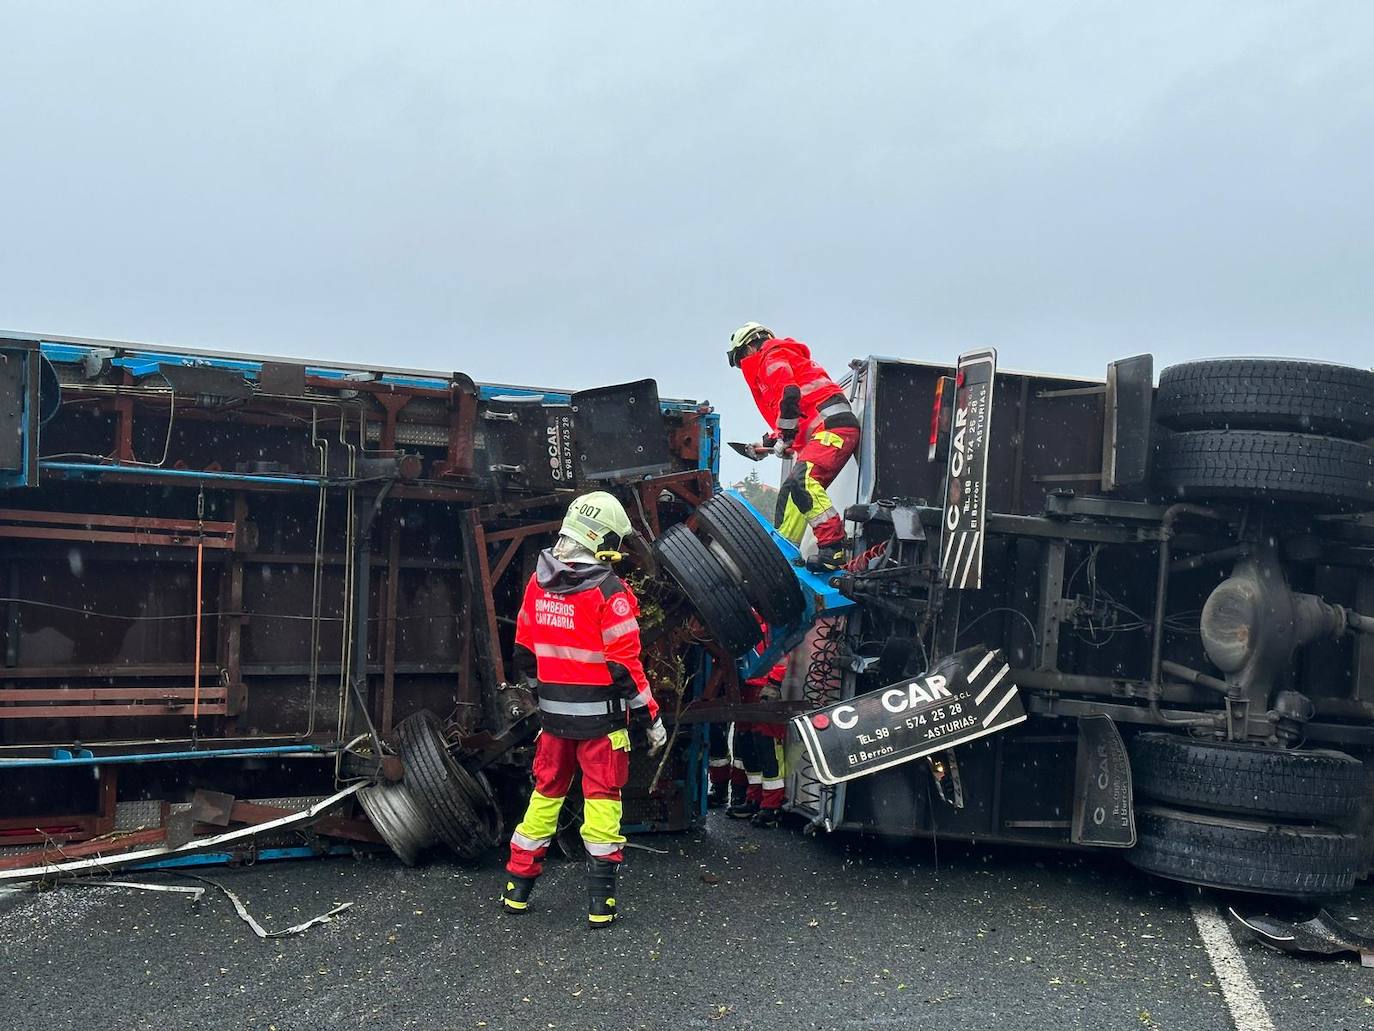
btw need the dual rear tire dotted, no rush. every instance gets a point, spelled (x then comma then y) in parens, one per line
(1245, 817)
(730, 570)
(1266, 431)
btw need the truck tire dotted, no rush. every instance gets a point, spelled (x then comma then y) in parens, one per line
(399, 820)
(458, 807)
(1267, 394)
(1244, 855)
(1246, 779)
(1320, 473)
(765, 574)
(718, 599)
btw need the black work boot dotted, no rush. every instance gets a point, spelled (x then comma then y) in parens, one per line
(767, 818)
(744, 809)
(829, 559)
(715, 796)
(601, 889)
(516, 897)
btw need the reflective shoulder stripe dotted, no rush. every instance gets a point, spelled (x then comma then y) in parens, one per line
(562, 651)
(640, 700)
(557, 708)
(618, 630)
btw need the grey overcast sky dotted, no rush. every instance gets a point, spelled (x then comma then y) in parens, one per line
(572, 193)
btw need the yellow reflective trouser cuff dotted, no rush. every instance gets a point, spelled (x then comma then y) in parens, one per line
(794, 521)
(541, 819)
(601, 823)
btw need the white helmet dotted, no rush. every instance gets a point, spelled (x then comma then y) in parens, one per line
(598, 522)
(747, 334)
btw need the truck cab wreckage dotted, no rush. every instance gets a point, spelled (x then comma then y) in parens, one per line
(1082, 614)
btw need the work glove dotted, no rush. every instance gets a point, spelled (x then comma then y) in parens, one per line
(658, 736)
(776, 444)
(770, 692)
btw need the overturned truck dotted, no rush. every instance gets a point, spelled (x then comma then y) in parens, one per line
(1101, 614)
(259, 608)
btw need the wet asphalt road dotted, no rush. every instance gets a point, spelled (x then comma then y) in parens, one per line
(735, 928)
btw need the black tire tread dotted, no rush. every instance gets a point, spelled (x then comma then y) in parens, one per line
(716, 596)
(1323, 473)
(768, 580)
(1238, 778)
(439, 786)
(1253, 856)
(1267, 394)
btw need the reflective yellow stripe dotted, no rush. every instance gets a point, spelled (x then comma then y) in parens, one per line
(541, 818)
(600, 918)
(601, 822)
(829, 439)
(512, 904)
(781, 752)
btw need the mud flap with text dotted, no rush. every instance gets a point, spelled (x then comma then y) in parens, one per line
(1103, 813)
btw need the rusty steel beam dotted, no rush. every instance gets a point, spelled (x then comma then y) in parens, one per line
(22, 515)
(82, 536)
(95, 694)
(517, 536)
(253, 813)
(110, 846)
(388, 627)
(479, 591)
(152, 670)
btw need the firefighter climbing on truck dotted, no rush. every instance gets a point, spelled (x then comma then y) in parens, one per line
(577, 638)
(809, 417)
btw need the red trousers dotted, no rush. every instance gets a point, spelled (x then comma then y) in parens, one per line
(605, 765)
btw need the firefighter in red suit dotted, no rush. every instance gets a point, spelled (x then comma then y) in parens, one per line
(759, 754)
(577, 638)
(807, 414)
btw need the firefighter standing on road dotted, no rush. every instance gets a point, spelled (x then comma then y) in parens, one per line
(578, 635)
(759, 755)
(808, 414)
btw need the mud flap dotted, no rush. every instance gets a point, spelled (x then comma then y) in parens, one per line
(1103, 811)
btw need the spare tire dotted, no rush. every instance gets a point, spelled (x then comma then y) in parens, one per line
(1244, 855)
(709, 588)
(762, 570)
(458, 806)
(1251, 779)
(1267, 394)
(1322, 473)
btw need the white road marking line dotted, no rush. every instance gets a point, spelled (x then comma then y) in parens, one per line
(1237, 987)
(991, 684)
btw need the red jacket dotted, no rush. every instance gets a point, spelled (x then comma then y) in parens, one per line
(578, 632)
(779, 364)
